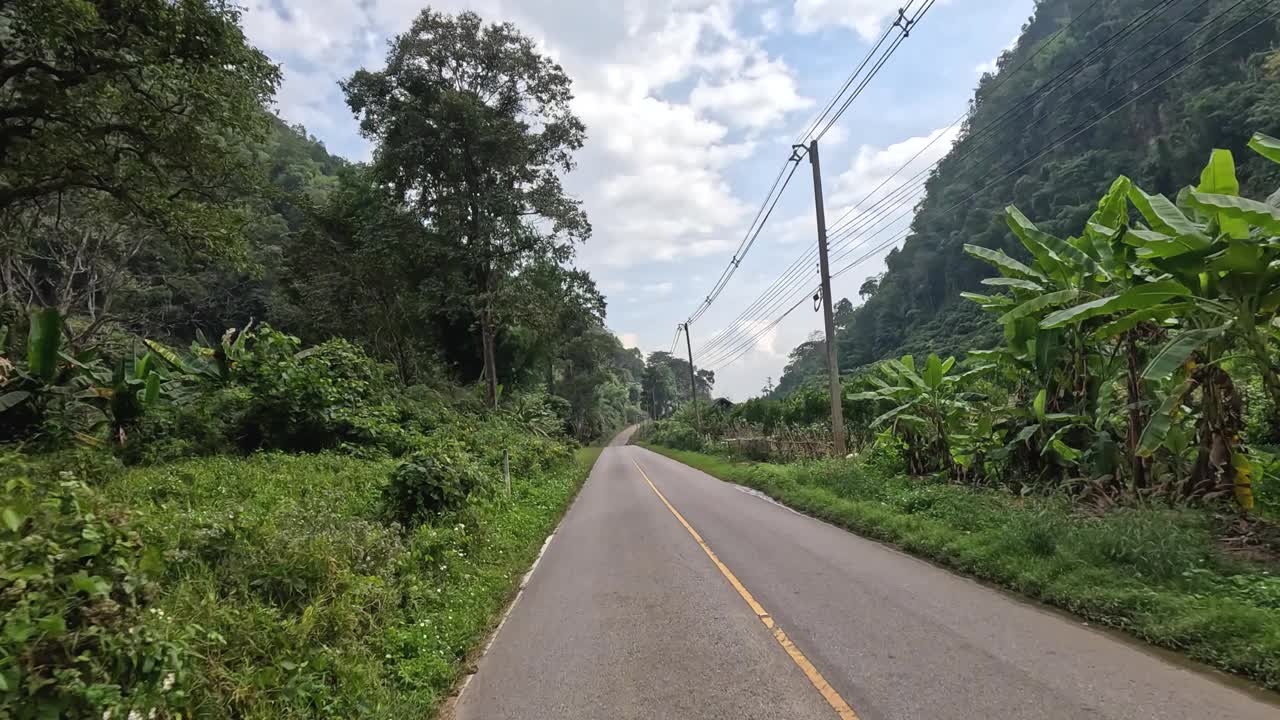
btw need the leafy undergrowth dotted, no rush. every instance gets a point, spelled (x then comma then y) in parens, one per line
(1156, 573)
(266, 587)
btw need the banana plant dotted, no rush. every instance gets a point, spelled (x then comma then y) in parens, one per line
(927, 408)
(124, 394)
(207, 361)
(1208, 275)
(1054, 366)
(25, 385)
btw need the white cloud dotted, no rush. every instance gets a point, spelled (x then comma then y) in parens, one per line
(872, 199)
(866, 17)
(759, 96)
(770, 19)
(630, 340)
(659, 289)
(672, 93)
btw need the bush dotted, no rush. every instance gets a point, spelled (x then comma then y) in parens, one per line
(674, 434)
(304, 400)
(206, 421)
(79, 636)
(431, 482)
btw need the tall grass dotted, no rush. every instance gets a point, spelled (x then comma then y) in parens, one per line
(307, 602)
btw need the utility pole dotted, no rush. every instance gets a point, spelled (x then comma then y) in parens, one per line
(828, 320)
(693, 380)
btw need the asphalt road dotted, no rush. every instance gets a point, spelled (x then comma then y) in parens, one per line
(627, 616)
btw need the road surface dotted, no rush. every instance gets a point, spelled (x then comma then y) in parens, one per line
(666, 593)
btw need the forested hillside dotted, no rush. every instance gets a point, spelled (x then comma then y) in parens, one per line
(293, 237)
(1049, 91)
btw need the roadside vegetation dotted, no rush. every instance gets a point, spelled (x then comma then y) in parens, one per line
(1114, 456)
(257, 402)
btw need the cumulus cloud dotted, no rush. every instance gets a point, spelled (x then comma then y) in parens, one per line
(869, 201)
(672, 92)
(865, 17)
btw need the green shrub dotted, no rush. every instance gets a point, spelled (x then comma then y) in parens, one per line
(80, 637)
(432, 481)
(674, 434)
(204, 421)
(304, 400)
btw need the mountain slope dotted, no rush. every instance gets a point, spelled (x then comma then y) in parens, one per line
(1074, 91)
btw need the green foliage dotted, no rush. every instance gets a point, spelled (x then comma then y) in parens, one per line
(171, 82)
(671, 433)
(82, 634)
(430, 482)
(504, 132)
(269, 586)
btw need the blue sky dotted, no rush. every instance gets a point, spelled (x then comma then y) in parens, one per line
(690, 106)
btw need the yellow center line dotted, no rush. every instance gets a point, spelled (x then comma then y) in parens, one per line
(828, 693)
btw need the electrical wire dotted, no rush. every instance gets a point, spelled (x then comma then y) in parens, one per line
(1147, 17)
(1123, 104)
(775, 192)
(789, 274)
(804, 136)
(974, 140)
(902, 36)
(1099, 117)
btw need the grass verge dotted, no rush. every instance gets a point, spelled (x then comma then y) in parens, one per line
(294, 597)
(1156, 573)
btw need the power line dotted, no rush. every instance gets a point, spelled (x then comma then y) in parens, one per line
(904, 26)
(757, 224)
(1146, 18)
(1060, 79)
(751, 341)
(807, 134)
(850, 233)
(790, 273)
(797, 294)
(1125, 103)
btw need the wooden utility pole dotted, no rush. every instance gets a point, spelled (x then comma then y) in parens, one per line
(828, 320)
(693, 378)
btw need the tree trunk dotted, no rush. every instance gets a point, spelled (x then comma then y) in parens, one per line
(1137, 416)
(490, 361)
(1219, 433)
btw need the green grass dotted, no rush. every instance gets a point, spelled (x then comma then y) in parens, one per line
(301, 601)
(1156, 573)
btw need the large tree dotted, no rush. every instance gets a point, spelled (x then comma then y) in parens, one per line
(472, 129)
(142, 102)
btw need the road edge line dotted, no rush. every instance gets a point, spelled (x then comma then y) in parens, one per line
(815, 677)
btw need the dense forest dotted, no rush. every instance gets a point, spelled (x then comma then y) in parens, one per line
(1048, 90)
(237, 220)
